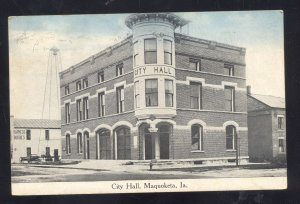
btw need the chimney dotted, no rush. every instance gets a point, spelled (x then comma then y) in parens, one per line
(248, 90)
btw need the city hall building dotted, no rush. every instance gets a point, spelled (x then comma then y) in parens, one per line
(156, 95)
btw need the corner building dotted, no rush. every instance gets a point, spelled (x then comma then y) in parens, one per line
(156, 95)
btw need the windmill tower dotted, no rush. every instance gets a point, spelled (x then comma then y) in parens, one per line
(51, 101)
(51, 106)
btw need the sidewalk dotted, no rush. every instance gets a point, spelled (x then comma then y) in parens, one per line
(136, 166)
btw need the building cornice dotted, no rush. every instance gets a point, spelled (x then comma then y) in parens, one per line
(93, 57)
(210, 43)
(173, 19)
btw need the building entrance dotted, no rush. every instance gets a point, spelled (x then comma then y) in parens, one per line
(103, 150)
(164, 132)
(149, 145)
(123, 143)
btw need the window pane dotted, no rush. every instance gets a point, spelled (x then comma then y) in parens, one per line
(169, 100)
(193, 65)
(150, 45)
(195, 137)
(152, 99)
(230, 132)
(167, 46)
(194, 103)
(168, 58)
(227, 71)
(195, 90)
(150, 57)
(169, 86)
(228, 106)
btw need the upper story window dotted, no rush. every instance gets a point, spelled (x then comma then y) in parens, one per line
(85, 83)
(169, 93)
(197, 137)
(151, 92)
(167, 52)
(137, 94)
(79, 109)
(195, 64)
(47, 135)
(67, 90)
(196, 95)
(280, 122)
(85, 111)
(28, 134)
(228, 70)
(120, 99)
(230, 137)
(135, 53)
(150, 51)
(119, 69)
(78, 85)
(229, 98)
(67, 112)
(101, 104)
(100, 76)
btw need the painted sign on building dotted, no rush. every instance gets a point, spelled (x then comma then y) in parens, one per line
(19, 134)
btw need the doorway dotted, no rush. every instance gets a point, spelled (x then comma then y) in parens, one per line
(164, 134)
(103, 145)
(149, 145)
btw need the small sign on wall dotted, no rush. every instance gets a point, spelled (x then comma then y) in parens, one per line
(19, 134)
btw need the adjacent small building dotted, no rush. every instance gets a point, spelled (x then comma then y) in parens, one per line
(266, 127)
(34, 136)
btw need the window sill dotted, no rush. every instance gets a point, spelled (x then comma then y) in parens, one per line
(68, 154)
(230, 150)
(198, 151)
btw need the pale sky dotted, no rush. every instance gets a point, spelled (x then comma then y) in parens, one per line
(80, 36)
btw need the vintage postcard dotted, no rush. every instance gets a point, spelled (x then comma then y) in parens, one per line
(147, 102)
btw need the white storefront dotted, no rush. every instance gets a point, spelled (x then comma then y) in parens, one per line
(34, 136)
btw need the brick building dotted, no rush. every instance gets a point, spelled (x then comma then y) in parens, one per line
(34, 136)
(156, 95)
(267, 128)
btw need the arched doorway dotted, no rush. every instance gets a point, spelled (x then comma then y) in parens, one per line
(149, 144)
(103, 145)
(164, 144)
(123, 143)
(86, 145)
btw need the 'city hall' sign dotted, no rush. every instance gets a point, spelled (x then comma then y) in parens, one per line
(154, 69)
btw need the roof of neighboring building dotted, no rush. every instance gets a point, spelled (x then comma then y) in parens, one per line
(272, 101)
(37, 123)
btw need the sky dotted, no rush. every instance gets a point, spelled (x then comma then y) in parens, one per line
(80, 36)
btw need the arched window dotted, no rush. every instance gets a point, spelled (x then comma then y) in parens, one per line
(79, 143)
(68, 144)
(86, 143)
(230, 137)
(197, 137)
